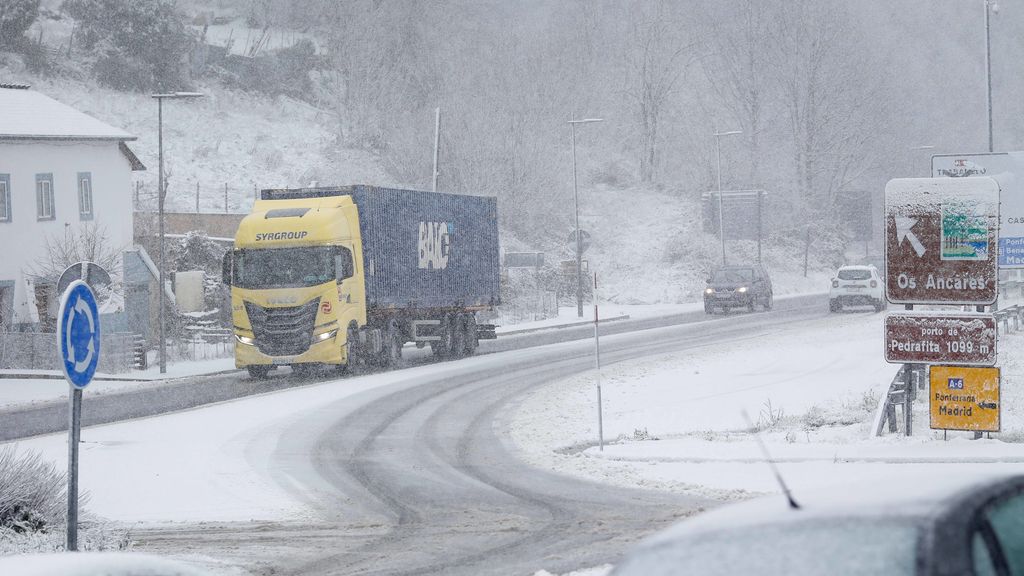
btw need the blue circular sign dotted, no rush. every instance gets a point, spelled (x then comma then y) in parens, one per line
(78, 334)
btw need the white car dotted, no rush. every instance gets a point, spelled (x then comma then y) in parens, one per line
(856, 286)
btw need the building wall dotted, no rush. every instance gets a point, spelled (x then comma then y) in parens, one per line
(23, 239)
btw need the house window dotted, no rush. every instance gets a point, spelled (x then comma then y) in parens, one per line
(85, 195)
(5, 197)
(44, 197)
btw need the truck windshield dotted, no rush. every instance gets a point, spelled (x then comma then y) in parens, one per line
(284, 267)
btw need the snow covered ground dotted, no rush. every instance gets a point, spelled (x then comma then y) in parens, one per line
(676, 422)
(671, 422)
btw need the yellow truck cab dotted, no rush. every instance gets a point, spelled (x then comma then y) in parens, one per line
(350, 274)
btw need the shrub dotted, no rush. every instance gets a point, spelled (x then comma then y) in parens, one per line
(33, 494)
(15, 18)
(142, 44)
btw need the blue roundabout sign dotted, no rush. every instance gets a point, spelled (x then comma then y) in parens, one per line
(78, 334)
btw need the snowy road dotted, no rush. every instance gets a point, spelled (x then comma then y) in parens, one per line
(419, 476)
(410, 471)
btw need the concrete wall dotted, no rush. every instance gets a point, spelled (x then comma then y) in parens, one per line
(23, 238)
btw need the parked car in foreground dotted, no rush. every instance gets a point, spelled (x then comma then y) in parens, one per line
(738, 287)
(953, 524)
(856, 286)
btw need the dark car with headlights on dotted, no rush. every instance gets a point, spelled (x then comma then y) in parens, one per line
(738, 287)
(925, 524)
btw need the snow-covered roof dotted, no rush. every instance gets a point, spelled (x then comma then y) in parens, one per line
(29, 115)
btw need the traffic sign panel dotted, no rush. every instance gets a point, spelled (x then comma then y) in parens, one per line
(1007, 168)
(584, 240)
(964, 398)
(940, 339)
(78, 334)
(940, 240)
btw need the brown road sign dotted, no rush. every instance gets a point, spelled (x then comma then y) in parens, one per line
(964, 398)
(940, 339)
(940, 240)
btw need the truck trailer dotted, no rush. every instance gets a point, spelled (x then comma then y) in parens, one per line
(348, 275)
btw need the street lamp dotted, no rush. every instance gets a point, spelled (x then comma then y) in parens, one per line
(718, 154)
(576, 200)
(990, 5)
(161, 193)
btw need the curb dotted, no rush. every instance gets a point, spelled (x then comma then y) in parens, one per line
(562, 326)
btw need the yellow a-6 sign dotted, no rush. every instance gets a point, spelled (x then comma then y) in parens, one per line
(964, 398)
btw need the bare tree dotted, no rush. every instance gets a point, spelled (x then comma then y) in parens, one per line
(89, 244)
(656, 60)
(829, 96)
(737, 68)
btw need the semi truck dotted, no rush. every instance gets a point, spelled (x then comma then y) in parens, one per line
(348, 275)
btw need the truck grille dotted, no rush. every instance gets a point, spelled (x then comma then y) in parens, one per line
(283, 331)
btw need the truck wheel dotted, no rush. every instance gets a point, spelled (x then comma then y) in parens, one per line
(391, 354)
(443, 348)
(769, 301)
(708, 308)
(258, 372)
(472, 341)
(351, 342)
(459, 337)
(834, 305)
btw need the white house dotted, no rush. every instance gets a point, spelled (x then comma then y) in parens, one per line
(60, 170)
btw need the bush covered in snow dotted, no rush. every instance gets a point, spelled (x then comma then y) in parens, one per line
(33, 494)
(33, 509)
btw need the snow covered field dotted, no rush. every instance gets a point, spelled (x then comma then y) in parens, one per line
(675, 422)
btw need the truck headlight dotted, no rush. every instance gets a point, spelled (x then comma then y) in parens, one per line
(709, 290)
(245, 340)
(325, 336)
(741, 289)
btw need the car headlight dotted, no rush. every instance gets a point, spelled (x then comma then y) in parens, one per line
(741, 289)
(709, 290)
(325, 336)
(245, 340)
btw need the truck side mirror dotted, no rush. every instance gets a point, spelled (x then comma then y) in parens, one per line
(343, 266)
(227, 264)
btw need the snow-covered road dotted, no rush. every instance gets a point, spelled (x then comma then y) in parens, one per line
(403, 469)
(422, 467)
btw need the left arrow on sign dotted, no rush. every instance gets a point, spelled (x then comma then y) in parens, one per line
(903, 226)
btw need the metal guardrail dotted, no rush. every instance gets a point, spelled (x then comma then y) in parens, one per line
(1013, 313)
(902, 392)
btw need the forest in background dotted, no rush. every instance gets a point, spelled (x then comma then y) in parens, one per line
(832, 98)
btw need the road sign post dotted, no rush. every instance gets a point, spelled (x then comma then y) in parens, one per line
(78, 345)
(936, 338)
(940, 248)
(964, 398)
(940, 240)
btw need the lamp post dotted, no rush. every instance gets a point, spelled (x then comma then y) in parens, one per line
(576, 201)
(161, 193)
(718, 155)
(990, 5)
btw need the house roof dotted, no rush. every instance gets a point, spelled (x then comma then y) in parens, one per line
(29, 115)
